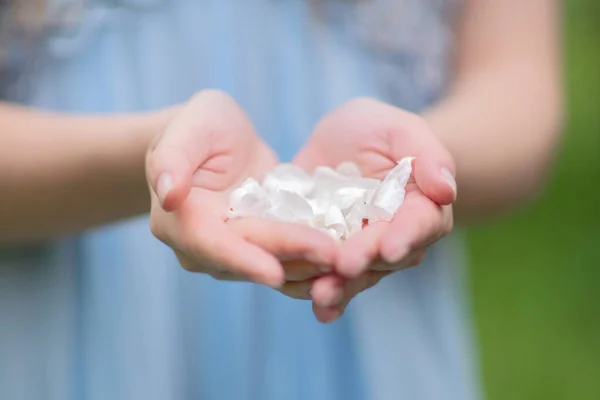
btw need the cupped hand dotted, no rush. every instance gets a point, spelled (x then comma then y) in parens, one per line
(375, 136)
(207, 150)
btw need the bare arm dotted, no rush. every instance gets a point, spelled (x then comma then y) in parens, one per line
(501, 120)
(61, 174)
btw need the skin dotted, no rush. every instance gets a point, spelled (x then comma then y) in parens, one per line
(207, 150)
(500, 121)
(64, 173)
(495, 131)
(375, 136)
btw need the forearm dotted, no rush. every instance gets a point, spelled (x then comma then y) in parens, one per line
(62, 174)
(502, 117)
(502, 129)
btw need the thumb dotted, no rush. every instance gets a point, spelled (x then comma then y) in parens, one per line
(434, 174)
(190, 141)
(183, 147)
(310, 157)
(169, 173)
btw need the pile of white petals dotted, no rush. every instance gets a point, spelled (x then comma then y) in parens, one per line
(337, 201)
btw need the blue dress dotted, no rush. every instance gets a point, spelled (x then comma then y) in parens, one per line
(110, 315)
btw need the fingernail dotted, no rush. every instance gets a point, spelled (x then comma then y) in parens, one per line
(164, 186)
(449, 178)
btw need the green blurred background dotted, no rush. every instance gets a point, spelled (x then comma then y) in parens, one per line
(535, 276)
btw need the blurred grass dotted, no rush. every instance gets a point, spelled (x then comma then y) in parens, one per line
(536, 276)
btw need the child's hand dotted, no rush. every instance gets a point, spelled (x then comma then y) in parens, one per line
(207, 150)
(375, 136)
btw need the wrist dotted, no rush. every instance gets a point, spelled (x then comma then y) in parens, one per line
(127, 139)
(150, 126)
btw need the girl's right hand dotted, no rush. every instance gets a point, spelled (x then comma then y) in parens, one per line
(208, 149)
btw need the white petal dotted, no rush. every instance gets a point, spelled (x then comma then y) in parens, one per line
(349, 169)
(389, 197)
(282, 214)
(336, 201)
(292, 204)
(252, 186)
(249, 200)
(354, 227)
(327, 178)
(333, 233)
(288, 177)
(355, 218)
(367, 183)
(374, 214)
(390, 194)
(346, 197)
(334, 219)
(401, 172)
(320, 201)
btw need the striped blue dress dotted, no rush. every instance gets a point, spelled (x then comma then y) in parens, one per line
(110, 315)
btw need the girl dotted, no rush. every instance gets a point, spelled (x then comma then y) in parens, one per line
(108, 315)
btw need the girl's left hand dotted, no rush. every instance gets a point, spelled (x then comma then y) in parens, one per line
(375, 136)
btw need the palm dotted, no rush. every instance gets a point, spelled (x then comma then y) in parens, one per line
(371, 134)
(232, 160)
(205, 208)
(362, 132)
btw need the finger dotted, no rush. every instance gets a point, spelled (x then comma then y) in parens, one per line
(228, 276)
(360, 250)
(327, 315)
(297, 290)
(213, 244)
(309, 159)
(434, 174)
(300, 270)
(411, 260)
(328, 290)
(418, 223)
(310, 156)
(360, 284)
(288, 241)
(192, 265)
(352, 288)
(355, 287)
(188, 143)
(331, 290)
